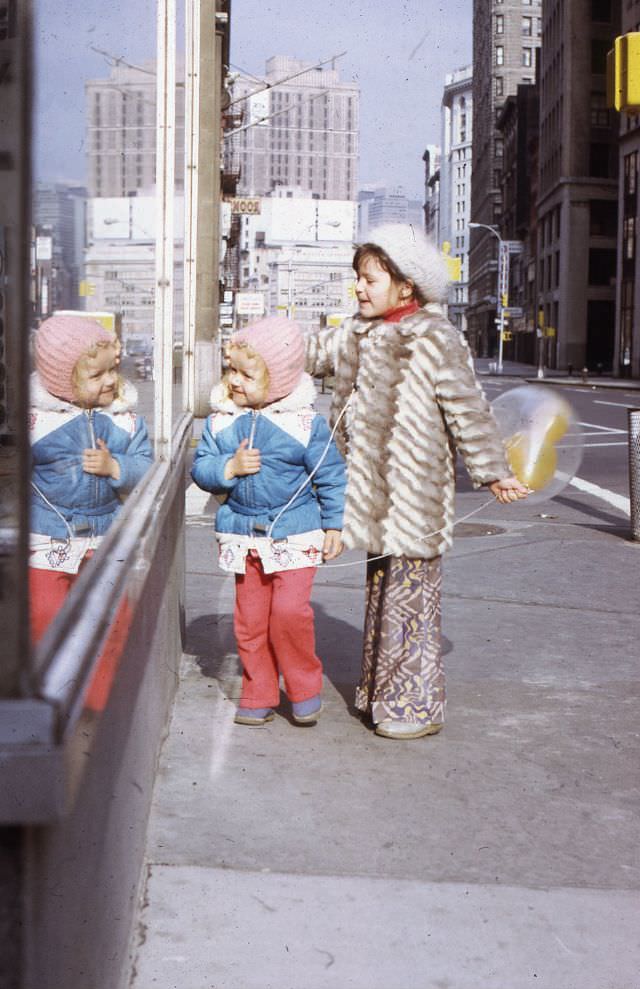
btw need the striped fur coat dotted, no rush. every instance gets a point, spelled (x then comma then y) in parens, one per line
(415, 401)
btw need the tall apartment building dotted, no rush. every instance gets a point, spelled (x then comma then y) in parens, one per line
(506, 38)
(455, 183)
(301, 133)
(121, 131)
(627, 337)
(59, 212)
(578, 165)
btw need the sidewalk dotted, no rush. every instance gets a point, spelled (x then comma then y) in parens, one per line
(511, 369)
(501, 854)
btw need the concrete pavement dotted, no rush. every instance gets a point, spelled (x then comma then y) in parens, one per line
(502, 853)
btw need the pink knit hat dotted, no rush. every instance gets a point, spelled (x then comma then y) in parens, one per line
(60, 343)
(279, 343)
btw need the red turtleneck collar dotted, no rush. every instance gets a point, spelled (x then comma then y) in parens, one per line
(395, 315)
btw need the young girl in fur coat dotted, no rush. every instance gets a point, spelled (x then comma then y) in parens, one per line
(414, 401)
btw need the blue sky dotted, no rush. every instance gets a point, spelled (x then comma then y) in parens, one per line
(398, 51)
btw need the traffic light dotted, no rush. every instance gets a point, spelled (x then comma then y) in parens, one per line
(623, 73)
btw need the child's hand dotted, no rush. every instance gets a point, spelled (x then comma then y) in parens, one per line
(243, 462)
(508, 489)
(100, 462)
(332, 546)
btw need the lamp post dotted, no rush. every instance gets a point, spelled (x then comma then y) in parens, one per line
(503, 283)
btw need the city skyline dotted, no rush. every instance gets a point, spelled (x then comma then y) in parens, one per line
(399, 54)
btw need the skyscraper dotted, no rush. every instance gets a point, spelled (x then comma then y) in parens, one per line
(299, 133)
(506, 37)
(627, 348)
(577, 195)
(121, 131)
(455, 182)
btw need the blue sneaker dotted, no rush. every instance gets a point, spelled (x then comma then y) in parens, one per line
(307, 712)
(254, 716)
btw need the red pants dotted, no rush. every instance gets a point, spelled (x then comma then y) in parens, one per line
(274, 629)
(47, 592)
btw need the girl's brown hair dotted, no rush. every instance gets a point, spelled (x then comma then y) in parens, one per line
(366, 251)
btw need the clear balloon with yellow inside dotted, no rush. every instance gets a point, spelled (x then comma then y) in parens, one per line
(542, 438)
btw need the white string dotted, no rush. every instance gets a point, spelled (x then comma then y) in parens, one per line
(371, 559)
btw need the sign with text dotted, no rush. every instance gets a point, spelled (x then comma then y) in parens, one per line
(249, 304)
(245, 205)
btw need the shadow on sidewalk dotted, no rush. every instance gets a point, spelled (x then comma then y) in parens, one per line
(611, 522)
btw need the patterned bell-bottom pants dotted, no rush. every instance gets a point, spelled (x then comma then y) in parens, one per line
(402, 675)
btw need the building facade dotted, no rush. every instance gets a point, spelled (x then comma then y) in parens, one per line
(578, 187)
(627, 334)
(519, 125)
(59, 214)
(121, 131)
(378, 204)
(506, 39)
(120, 273)
(455, 184)
(300, 132)
(295, 256)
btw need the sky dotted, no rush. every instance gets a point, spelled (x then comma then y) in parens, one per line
(398, 51)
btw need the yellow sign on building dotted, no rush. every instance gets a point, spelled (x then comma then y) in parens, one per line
(454, 264)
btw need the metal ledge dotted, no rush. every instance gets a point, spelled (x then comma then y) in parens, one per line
(36, 731)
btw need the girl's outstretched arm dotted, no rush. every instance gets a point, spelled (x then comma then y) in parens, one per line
(321, 351)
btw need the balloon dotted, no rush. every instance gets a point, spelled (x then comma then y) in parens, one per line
(542, 439)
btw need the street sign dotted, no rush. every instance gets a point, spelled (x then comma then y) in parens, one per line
(514, 246)
(516, 312)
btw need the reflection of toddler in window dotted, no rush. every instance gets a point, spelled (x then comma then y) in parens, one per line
(88, 448)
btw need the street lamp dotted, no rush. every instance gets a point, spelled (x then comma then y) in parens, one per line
(503, 283)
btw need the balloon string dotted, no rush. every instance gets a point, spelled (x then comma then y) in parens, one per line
(371, 559)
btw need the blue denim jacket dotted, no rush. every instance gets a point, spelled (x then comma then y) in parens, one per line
(65, 500)
(293, 439)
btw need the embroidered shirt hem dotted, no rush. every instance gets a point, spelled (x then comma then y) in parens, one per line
(292, 553)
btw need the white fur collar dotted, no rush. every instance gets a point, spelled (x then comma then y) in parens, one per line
(302, 396)
(46, 402)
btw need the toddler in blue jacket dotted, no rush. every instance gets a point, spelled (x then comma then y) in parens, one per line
(267, 450)
(88, 448)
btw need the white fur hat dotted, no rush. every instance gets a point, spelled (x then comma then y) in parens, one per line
(417, 258)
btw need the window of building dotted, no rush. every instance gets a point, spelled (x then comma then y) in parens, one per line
(527, 26)
(599, 49)
(629, 238)
(499, 24)
(601, 11)
(499, 55)
(602, 262)
(527, 56)
(603, 218)
(599, 160)
(599, 111)
(499, 86)
(631, 173)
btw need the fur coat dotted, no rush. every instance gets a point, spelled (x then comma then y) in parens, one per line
(415, 401)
